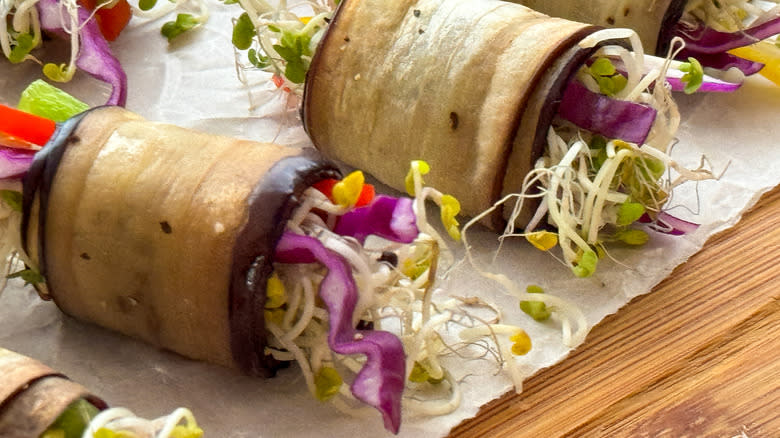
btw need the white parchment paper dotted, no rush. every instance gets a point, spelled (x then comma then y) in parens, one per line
(193, 83)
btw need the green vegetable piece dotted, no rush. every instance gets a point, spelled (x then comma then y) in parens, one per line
(258, 60)
(243, 32)
(183, 23)
(632, 237)
(586, 265)
(598, 142)
(12, 198)
(186, 432)
(295, 71)
(297, 41)
(450, 207)
(45, 100)
(420, 374)
(654, 166)
(535, 309)
(292, 48)
(611, 85)
(327, 383)
(602, 67)
(287, 53)
(414, 269)
(105, 432)
(24, 44)
(534, 289)
(29, 275)
(146, 5)
(57, 73)
(606, 75)
(73, 421)
(629, 212)
(694, 76)
(275, 292)
(420, 166)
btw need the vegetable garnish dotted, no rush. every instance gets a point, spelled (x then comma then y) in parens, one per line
(684, 76)
(112, 17)
(535, 309)
(606, 160)
(25, 126)
(597, 113)
(380, 381)
(694, 75)
(359, 307)
(280, 40)
(364, 197)
(724, 34)
(89, 50)
(764, 52)
(45, 100)
(88, 25)
(83, 420)
(123, 423)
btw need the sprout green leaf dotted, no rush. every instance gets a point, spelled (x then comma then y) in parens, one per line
(243, 32)
(183, 23)
(24, 44)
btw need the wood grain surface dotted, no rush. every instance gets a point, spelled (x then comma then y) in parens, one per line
(697, 357)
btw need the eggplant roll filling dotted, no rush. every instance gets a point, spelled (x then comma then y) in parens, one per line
(568, 120)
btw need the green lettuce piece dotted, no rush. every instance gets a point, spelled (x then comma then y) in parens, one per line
(45, 100)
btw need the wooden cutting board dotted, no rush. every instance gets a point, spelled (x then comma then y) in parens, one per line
(697, 357)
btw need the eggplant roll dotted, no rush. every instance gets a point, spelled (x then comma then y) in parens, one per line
(32, 396)
(653, 20)
(469, 86)
(163, 233)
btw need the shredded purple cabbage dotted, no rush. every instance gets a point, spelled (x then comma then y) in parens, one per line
(612, 118)
(380, 382)
(668, 224)
(702, 39)
(94, 56)
(709, 85)
(14, 162)
(387, 217)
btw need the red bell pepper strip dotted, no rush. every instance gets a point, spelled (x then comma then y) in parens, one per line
(25, 126)
(367, 193)
(111, 21)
